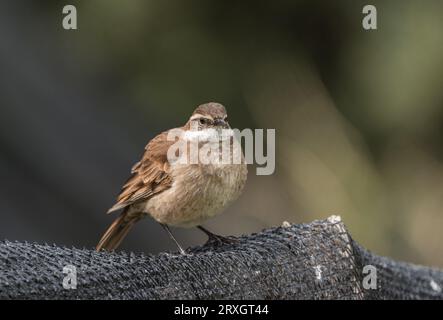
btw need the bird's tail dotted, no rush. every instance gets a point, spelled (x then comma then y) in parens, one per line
(117, 231)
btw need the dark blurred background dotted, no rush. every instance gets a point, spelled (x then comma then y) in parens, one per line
(358, 114)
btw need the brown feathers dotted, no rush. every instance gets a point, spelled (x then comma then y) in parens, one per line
(212, 109)
(117, 231)
(198, 192)
(149, 176)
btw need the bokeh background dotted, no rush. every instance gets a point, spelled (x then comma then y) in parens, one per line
(358, 114)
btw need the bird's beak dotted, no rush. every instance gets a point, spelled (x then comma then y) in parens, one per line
(221, 123)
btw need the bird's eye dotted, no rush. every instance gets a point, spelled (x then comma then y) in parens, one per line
(203, 121)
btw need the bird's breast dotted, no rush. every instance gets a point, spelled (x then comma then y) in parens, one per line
(198, 193)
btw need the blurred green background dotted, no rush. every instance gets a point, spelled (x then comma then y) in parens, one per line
(358, 114)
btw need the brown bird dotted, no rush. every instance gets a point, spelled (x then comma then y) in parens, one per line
(181, 194)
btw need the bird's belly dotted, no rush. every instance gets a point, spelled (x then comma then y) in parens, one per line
(198, 193)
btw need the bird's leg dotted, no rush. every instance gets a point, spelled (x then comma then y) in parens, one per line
(216, 237)
(172, 237)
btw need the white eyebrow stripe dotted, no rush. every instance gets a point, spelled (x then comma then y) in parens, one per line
(198, 115)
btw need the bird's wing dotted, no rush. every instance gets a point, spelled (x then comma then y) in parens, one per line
(149, 176)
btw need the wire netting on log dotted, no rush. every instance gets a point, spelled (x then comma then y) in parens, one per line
(318, 260)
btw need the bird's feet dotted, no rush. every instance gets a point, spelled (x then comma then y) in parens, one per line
(220, 240)
(217, 239)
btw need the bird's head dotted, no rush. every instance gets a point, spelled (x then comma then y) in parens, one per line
(210, 115)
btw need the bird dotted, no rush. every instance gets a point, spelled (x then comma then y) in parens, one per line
(180, 193)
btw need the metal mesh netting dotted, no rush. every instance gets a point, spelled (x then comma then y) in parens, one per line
(309, 261)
